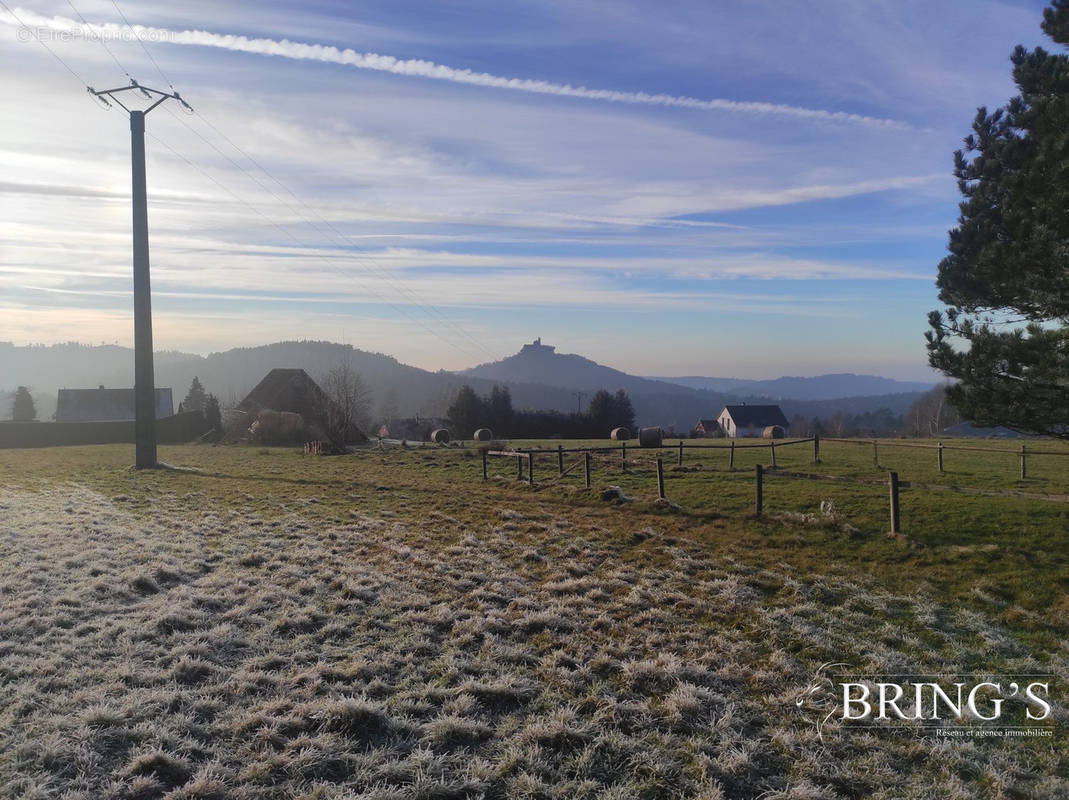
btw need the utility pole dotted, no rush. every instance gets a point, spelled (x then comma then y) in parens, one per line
(144, 378)
(579, 402)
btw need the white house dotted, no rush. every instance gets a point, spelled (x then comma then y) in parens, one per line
(745, 420)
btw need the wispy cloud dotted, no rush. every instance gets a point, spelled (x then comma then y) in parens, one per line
(421, 68)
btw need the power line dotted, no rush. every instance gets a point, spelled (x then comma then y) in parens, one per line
(101, 39)
(330, 230)
(140, 42)
(41, 42)
(430, 310)
(325, 257)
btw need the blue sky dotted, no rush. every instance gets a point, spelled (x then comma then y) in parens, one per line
(718, 188)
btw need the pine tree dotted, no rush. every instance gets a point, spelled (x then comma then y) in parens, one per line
(22, 407)
(196, 396)
(1009, 256)
(467, 412)
(500, 408)
(213, 415)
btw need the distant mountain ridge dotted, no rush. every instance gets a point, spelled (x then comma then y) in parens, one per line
(818, 387)
(537, 377)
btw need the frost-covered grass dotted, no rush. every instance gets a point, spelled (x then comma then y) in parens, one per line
(373, 627)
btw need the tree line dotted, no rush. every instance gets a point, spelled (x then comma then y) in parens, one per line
(928, 416)
(469, 412)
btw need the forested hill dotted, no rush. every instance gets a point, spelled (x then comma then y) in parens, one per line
(536, 379)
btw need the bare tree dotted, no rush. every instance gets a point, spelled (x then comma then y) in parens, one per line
(346, 403)
(931, 413)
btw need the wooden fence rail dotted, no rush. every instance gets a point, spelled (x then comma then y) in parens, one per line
(761, 473)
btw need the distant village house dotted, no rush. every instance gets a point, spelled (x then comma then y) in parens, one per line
(739, 421)
(708, 429)
(411, 429)
(106, 405)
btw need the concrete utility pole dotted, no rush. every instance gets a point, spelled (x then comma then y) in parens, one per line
(144, 378)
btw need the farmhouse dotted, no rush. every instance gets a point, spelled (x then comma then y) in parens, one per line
(290, 390)
(744, 420)
(106, 405)
(708, 428)
(290, 399)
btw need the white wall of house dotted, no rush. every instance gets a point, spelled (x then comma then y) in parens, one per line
(726, 425)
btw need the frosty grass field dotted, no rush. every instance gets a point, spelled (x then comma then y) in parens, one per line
(387, 625)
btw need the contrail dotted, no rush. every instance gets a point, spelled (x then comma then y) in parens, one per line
(285, 48)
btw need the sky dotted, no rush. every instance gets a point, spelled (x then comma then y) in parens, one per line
(746, 188)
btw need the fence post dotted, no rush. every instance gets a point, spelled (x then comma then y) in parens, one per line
(773, 446)
(484, 465)
(519, 468)
(680, 462)
(623, 456)
(896, 526)
(759, 497)
(530, 467)
(731, 457)
(875, 454)
(1024, 464)
(587, 460)
(660, 479)
(940, 452)
(816, 448)
(560, 458)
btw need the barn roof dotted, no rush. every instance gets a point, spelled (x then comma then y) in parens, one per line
(709, 423)
(292, 390)
(106, 405)
(747, 416)
(286, 390)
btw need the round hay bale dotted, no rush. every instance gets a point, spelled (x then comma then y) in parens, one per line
(620, 434)
(773, 432)
(440, 436)
(650, 437)
(483, 435)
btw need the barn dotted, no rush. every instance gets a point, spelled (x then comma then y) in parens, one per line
(708, 429)
(742, 420)
(289, 392)
(106, 405)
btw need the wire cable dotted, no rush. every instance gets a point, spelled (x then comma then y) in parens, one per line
(101, 39)
(40, 41)
(383, 273)
(322, 256)
(140, 42)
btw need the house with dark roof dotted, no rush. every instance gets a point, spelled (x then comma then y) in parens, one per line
(106, 405)
(967, 429)
(708, 428)
(745, 420)
(291, 391)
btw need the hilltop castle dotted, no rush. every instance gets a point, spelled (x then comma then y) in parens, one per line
(537, 348)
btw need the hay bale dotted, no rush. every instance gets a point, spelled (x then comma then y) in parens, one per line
(620, 435)
(440, 436)
(650, 437)
(773, 432)
(483, 435)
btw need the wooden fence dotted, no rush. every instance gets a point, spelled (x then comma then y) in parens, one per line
(525, 460)
(1022, 454)
(773, 445)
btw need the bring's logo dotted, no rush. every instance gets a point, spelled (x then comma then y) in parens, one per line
(947, 706)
